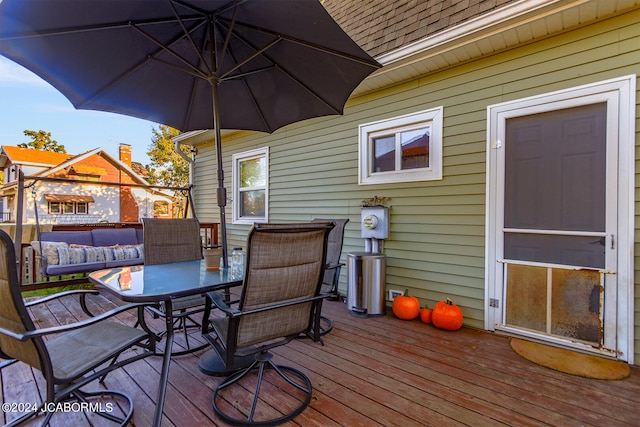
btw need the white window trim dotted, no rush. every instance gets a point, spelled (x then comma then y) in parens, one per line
(236, 158)
(431, 118)
(78, 204)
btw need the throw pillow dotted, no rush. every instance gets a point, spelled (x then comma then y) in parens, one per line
(49, 250)
(122, 252)
(80, 255)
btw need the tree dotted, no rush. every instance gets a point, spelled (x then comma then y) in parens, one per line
(41, 140)
(167, 167)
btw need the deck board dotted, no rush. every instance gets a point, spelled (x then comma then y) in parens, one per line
(378, 371)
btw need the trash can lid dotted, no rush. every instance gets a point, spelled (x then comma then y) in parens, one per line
(365, 255)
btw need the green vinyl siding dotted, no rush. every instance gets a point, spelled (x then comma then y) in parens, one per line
(436, 245)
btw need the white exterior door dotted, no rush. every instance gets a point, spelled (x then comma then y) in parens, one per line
(560, 218)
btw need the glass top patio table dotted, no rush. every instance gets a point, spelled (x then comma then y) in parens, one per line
(163, 283)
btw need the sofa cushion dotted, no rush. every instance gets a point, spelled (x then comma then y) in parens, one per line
(56, 270)
(124, 262)
(77, 237)
(113, 236)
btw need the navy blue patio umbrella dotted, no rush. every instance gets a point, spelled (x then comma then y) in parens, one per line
(190, 64)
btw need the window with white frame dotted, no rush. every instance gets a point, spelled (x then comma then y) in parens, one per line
(68, 208)
(251, 186)
(401, 149)
(55, 208)
(82, 208)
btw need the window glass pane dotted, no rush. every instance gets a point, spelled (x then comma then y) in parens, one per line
(252, 203)
(54, 207)
(68, 208)
(160, 208)
(415, 148)
(581, 251)
(81, 208)
(384, 153)
(253, 173)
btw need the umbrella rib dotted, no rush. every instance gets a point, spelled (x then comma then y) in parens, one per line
(89, 28)
(187, 34)
(344, 55)
(311, 91)
(262, 52)
(257, 53)
(197, 72)
(166, 48)
(219, 58)
(227, 38)
(248, 73)
(253, 100)
(112, 83)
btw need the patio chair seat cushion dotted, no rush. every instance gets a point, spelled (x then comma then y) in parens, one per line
(100, 341)
(184, 303)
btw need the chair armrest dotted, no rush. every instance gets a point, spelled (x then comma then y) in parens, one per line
(237, 313)
(60, 295)
(218, 300)
(334, 266)
(83, 298)
(69, 327)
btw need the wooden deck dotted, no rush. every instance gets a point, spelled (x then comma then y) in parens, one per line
(374, 372)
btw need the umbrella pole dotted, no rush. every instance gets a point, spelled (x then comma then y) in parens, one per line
(221, 192)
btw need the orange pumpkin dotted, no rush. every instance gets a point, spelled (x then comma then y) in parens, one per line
(426, 314)
(447, 316)
(406, 307)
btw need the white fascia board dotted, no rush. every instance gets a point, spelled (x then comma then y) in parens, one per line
(510, 16)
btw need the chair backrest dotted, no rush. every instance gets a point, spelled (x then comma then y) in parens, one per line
(171, 240)
(14, 315)
(334, 247)
(285, 263)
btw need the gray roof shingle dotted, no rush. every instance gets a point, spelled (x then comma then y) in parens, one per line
(381, 26)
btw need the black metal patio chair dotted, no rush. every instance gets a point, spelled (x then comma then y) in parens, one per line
(72, 355)
(334, 266)
(279, 301)
(173, 240)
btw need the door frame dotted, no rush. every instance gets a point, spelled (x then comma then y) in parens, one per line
(619, 93)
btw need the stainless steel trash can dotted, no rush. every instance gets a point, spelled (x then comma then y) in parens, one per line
(366, 282)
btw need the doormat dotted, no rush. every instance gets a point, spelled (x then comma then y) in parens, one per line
(571, 362)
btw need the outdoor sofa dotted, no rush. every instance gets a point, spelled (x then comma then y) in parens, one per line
(71, 252)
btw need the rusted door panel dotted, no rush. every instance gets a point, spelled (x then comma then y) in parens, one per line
(556, 301)
(526, 296)
(576, 305)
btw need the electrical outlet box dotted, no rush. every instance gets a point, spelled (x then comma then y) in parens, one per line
(392, 293)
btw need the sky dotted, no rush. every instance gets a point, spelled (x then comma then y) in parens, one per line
(29, 103)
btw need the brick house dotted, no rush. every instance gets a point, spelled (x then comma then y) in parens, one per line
(86, 198)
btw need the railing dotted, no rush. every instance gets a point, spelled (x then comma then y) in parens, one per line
(5, 216)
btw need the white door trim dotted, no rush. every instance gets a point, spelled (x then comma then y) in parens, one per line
(619, 93)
